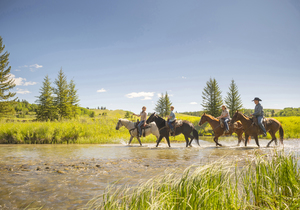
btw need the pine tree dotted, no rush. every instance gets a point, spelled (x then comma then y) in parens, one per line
(159, 107)
(73, 97)
(6, 83)
(163, 105)
(167, 104)
(212, 99)
(233, 99)
(46, 110)
(61, 99)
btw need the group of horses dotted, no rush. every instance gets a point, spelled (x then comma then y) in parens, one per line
(239, 124)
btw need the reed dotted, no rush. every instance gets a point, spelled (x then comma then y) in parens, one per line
(265, 182)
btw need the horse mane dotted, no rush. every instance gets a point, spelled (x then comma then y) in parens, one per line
(244, 115)
(211, 117)
(161, 120)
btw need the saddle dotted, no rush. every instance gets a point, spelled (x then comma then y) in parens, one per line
(255, 122)
(143, 127)
(235, 125)
(176, 123)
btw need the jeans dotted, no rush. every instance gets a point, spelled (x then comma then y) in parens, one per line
(226, 123)
(260, 123)
(139, 126)
(170, 125)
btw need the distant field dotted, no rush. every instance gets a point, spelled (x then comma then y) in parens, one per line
(101, 129)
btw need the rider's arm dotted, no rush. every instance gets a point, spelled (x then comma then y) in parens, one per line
(257, 111)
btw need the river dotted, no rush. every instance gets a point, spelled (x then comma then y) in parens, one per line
(68, 176)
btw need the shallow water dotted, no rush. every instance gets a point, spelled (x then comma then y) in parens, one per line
(68, 176)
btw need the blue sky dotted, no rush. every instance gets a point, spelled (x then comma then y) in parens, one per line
(123, 54)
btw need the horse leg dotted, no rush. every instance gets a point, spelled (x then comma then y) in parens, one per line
(160, 138)
(168, 140)
(186, 140)
(138, 138)
(216, 140)
(256, 140)
(273, 138)
(192, 138)
(246, 141)
(131, 137)
(240, 138)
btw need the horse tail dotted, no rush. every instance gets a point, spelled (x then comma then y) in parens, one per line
(281, 132)
(196, 136)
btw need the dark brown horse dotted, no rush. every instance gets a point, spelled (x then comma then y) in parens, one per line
(251, 129)
(219, 131)
(164, 131)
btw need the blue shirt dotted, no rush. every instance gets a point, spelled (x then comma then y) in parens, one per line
(172, 115)
(258, 110)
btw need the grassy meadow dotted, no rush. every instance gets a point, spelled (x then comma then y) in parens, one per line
(265, 182)
(101, 129)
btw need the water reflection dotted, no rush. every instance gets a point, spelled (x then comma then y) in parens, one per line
(68, 176)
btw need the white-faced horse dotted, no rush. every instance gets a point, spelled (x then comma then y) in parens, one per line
(134, 132)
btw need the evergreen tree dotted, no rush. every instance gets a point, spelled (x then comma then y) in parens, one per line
(73, 97)
(167, 104)
(212, 99)
(6, 84)
(46, 110)
(163, 105)
(233, 99)
(61, 99)
(159, 107)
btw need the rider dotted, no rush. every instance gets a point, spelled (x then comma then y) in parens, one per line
(259, 114)
(171, 119)
(225, 116)
(143, 116)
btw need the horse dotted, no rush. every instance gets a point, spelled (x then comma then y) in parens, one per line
(219, 131)
(272, 126)
(186, 129)
(152, 129)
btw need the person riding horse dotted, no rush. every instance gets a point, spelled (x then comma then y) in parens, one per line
(225, 116)
(259, 114)
(143, 116)
(171, 119)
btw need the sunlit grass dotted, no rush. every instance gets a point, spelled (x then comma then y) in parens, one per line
(263, 183)
(101, 129)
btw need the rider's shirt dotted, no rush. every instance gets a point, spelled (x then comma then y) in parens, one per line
(258, 110)
(143, 116)
(224, 112)
(172, 115)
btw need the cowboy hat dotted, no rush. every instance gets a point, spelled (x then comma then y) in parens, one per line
(256, 98)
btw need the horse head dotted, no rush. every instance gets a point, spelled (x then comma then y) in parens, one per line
(151, 118)
(119, 125)
(202, 120)
(235, 117)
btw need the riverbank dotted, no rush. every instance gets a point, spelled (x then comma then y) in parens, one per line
(101, 130)
(61, 176)
(265, 182)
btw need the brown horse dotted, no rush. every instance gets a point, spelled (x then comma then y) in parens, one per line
(219, 131)
(272, 126)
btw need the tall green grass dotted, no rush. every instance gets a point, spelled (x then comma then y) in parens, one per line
(101, 129)
(263, 183)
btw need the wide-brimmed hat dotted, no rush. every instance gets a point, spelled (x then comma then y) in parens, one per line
(256, 98)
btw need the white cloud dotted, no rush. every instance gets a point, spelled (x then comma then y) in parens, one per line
(102, 90)
(29, 83)
(37, 66)
(193, 103)
(183, 77)
(22, 91)
(146, 95)
(19, 81)
(17, 70)
(158, 95)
